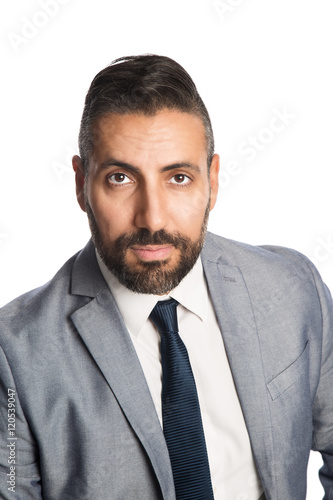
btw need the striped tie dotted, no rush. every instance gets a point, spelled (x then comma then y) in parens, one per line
(182, 425)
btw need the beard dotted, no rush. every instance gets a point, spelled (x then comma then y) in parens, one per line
(153, 277)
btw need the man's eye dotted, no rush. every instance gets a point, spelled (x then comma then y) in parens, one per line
(181, 179)
(119, 178)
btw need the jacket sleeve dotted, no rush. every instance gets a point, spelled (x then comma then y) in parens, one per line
(323, 403)
(19, 468)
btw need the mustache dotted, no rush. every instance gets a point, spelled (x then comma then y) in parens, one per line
(145, 237)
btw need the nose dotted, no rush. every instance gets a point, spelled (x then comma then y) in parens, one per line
(151, 209)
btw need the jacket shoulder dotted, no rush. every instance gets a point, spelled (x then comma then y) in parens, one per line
(264, 266)
(243, 254)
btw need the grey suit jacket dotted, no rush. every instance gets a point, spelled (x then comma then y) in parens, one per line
(85, 423)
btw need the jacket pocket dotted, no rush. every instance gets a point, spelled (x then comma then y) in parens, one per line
(288, 377)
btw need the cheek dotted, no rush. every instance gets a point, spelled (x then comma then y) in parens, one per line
(188, 218)
(112, 221)
(194, 206)
(108, 210)
(106, 220)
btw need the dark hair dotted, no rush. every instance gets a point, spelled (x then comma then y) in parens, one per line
(140, 84)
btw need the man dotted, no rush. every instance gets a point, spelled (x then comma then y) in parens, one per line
(110, 401)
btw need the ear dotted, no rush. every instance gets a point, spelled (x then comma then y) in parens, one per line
(79, 180)
(214, 179)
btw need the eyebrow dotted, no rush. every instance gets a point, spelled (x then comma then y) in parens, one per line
(112, 162)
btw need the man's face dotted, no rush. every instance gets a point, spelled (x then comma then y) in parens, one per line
(148, 195)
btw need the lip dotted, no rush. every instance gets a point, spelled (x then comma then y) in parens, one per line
(153, 252)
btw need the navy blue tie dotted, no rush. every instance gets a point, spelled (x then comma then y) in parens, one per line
(182, 425)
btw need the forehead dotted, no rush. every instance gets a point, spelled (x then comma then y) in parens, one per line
(165, 132)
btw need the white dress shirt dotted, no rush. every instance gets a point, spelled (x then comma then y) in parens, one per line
(233, 471)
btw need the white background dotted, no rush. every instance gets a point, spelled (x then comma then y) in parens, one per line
(250, 60)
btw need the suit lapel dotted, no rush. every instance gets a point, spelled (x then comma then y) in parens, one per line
(235, 316)
(101, 327)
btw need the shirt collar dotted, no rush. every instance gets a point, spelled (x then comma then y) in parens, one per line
(135, 308)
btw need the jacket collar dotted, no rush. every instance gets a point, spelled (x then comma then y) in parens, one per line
(102, 329)
(234, 311)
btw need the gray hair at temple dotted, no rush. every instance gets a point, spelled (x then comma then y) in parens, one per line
(143, 84)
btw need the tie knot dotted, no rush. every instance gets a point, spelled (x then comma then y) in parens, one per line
(164, 316)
